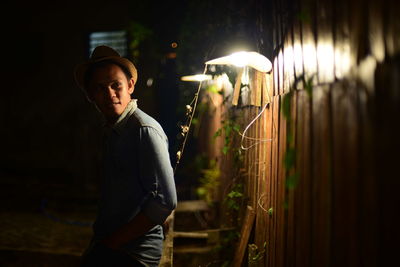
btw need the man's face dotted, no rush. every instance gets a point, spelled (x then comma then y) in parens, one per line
(110, 89)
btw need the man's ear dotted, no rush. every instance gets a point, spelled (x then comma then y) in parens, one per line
(131, 86)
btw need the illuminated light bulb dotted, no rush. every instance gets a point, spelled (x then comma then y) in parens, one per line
(196, 78)
(243, 58)
(240, 59)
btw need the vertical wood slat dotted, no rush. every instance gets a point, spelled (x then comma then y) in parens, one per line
(325, 44)
(274, 177)
(338, 187)
(341, 32)
(345, 187)
(244, 236)
(262, 189)
(291, 211)
(321, 189)
(281, 194)
(369, 212)
(246, 160)
(253, 163)
(303, 200)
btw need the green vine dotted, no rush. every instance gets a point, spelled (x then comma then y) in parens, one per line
(234, 198)
(257, 254)
(209, 182)
(290, 155)
(229, 127)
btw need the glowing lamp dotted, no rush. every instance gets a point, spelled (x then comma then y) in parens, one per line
(243, 58)
(196, 78)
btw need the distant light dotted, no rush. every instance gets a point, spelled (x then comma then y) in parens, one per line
(243, 58)
(170, 55)
(196, 78)
(149, 82)
(174, 45)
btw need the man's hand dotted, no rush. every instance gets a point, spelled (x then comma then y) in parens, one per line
(138, 226)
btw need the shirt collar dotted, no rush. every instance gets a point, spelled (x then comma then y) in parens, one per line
(123, 118)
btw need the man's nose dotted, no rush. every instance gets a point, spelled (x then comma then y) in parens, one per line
(110, 92)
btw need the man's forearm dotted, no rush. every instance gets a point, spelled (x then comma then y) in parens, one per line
(138, 226)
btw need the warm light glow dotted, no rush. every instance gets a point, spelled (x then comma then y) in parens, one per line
(325, 55)
(196, 78)
(298, 59)
(240, 59)
(342, 59)
(243, 58)
(288, 60)
(174, 45)
(310, 59)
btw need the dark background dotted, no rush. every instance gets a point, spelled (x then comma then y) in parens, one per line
(48, 127)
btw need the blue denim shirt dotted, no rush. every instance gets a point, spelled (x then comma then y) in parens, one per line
(137, 176)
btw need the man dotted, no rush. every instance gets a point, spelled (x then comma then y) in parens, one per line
(138, 190)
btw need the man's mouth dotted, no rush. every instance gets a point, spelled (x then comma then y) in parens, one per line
(112, 104)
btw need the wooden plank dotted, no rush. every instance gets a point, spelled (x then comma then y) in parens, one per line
(268, 178)
(325, 45)
(280, 213)
(322, 185)
(194, 250)
(302, 189)
(392, 27)
(236, 92)
(274, 178)
(288, 61)
(376, 30)
(259, 238)
(254, 86)
(192, 206)
(369, 188)
(197, 235)
(385, 146)
(308, 40)
(290, 251)
(341, 30)
(247, 226)
(345, 244)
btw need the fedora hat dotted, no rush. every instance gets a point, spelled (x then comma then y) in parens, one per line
(103, 53)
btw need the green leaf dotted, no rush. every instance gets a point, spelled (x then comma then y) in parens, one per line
(292, 180)
(212, 88)
(309, 85)
(290, 158)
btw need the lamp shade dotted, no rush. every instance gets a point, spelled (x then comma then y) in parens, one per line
(243, 58)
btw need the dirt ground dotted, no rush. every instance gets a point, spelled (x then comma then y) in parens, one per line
(43, 223)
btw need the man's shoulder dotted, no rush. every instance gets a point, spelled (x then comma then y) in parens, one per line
(141, 119)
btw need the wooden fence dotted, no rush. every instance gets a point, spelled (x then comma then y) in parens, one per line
(323, 180)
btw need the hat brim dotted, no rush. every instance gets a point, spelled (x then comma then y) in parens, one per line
(81, 69)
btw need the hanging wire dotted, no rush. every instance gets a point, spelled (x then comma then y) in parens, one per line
(186, 133)
(261, 204)
(258, 140)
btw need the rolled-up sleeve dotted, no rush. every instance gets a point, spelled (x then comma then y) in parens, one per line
(156, 175)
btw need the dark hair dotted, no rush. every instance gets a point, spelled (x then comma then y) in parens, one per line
(95, 66)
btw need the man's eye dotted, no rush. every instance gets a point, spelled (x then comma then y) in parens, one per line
(116, 85)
